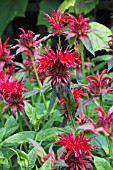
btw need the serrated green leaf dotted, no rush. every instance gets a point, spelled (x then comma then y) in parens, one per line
(101, 163)
(9, 10)
(46, 165)
(66, 4)
(11, 126)
(18, 138)
(86, 6)
(32, 159)
(48, 133)
(2, 133)
(99, 36)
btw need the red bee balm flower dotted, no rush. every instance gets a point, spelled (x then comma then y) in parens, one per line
(11, 91)
(5, 56)
(56, 65)
(99, 84)
(28, 42)
(77, 151)
(57, 22)
(105, 121)
(78, 26)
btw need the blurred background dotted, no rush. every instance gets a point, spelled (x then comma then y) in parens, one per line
(29, 14)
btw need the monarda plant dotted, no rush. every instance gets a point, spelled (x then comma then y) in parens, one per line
(57, 105)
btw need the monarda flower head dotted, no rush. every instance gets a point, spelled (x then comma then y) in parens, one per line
(56, 66)
(76, 151)
(11, 91)
(110, 43)
(5, 56)
(27, 42)
(99, 83)
(77, 27)
(57, 21)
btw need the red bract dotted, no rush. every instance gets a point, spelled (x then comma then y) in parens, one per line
(77, 149)
(12, 91)
(77, 27)
(28, 42)
(105, 121)
(99, 84)
(110, 43)
(5, 56)
(78, 93)
(57, 21)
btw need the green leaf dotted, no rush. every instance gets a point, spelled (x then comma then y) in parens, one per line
(101, 163)
(86, 6)
(30, 93)
(46, 165)
(105, 57)
(99, 36)
(99, 66)
(39, 151)
(8, 153)
(9, 10)
(55, 118)
(2, 133)
(85, 40)
(32, 159)
(52, 101)
(3, 160)
(18, 138)
(66, 4)
(110, 64)
(48, 133)
(11, 125)
(46, 7)
(22, 159)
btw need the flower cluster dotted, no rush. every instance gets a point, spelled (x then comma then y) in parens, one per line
(11, 91)
(5, 55)
(76, 151)
(99, 84)
(56, 66)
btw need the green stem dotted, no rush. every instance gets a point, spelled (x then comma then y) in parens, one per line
(59, 40)
(101, 102)
(82, 58)
(38, 80)
(4, 69)
(70, 115)
(20, 121)
(30, 83)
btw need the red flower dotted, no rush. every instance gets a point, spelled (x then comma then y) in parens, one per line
(5, 56)
(99, 83)
(76, 151)
(77, 27)
(28, 42)
(105, 121)
(9, 73)
(57, 21)
(78, 93)
(12, 91)
(110, 43)
(56, 65)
